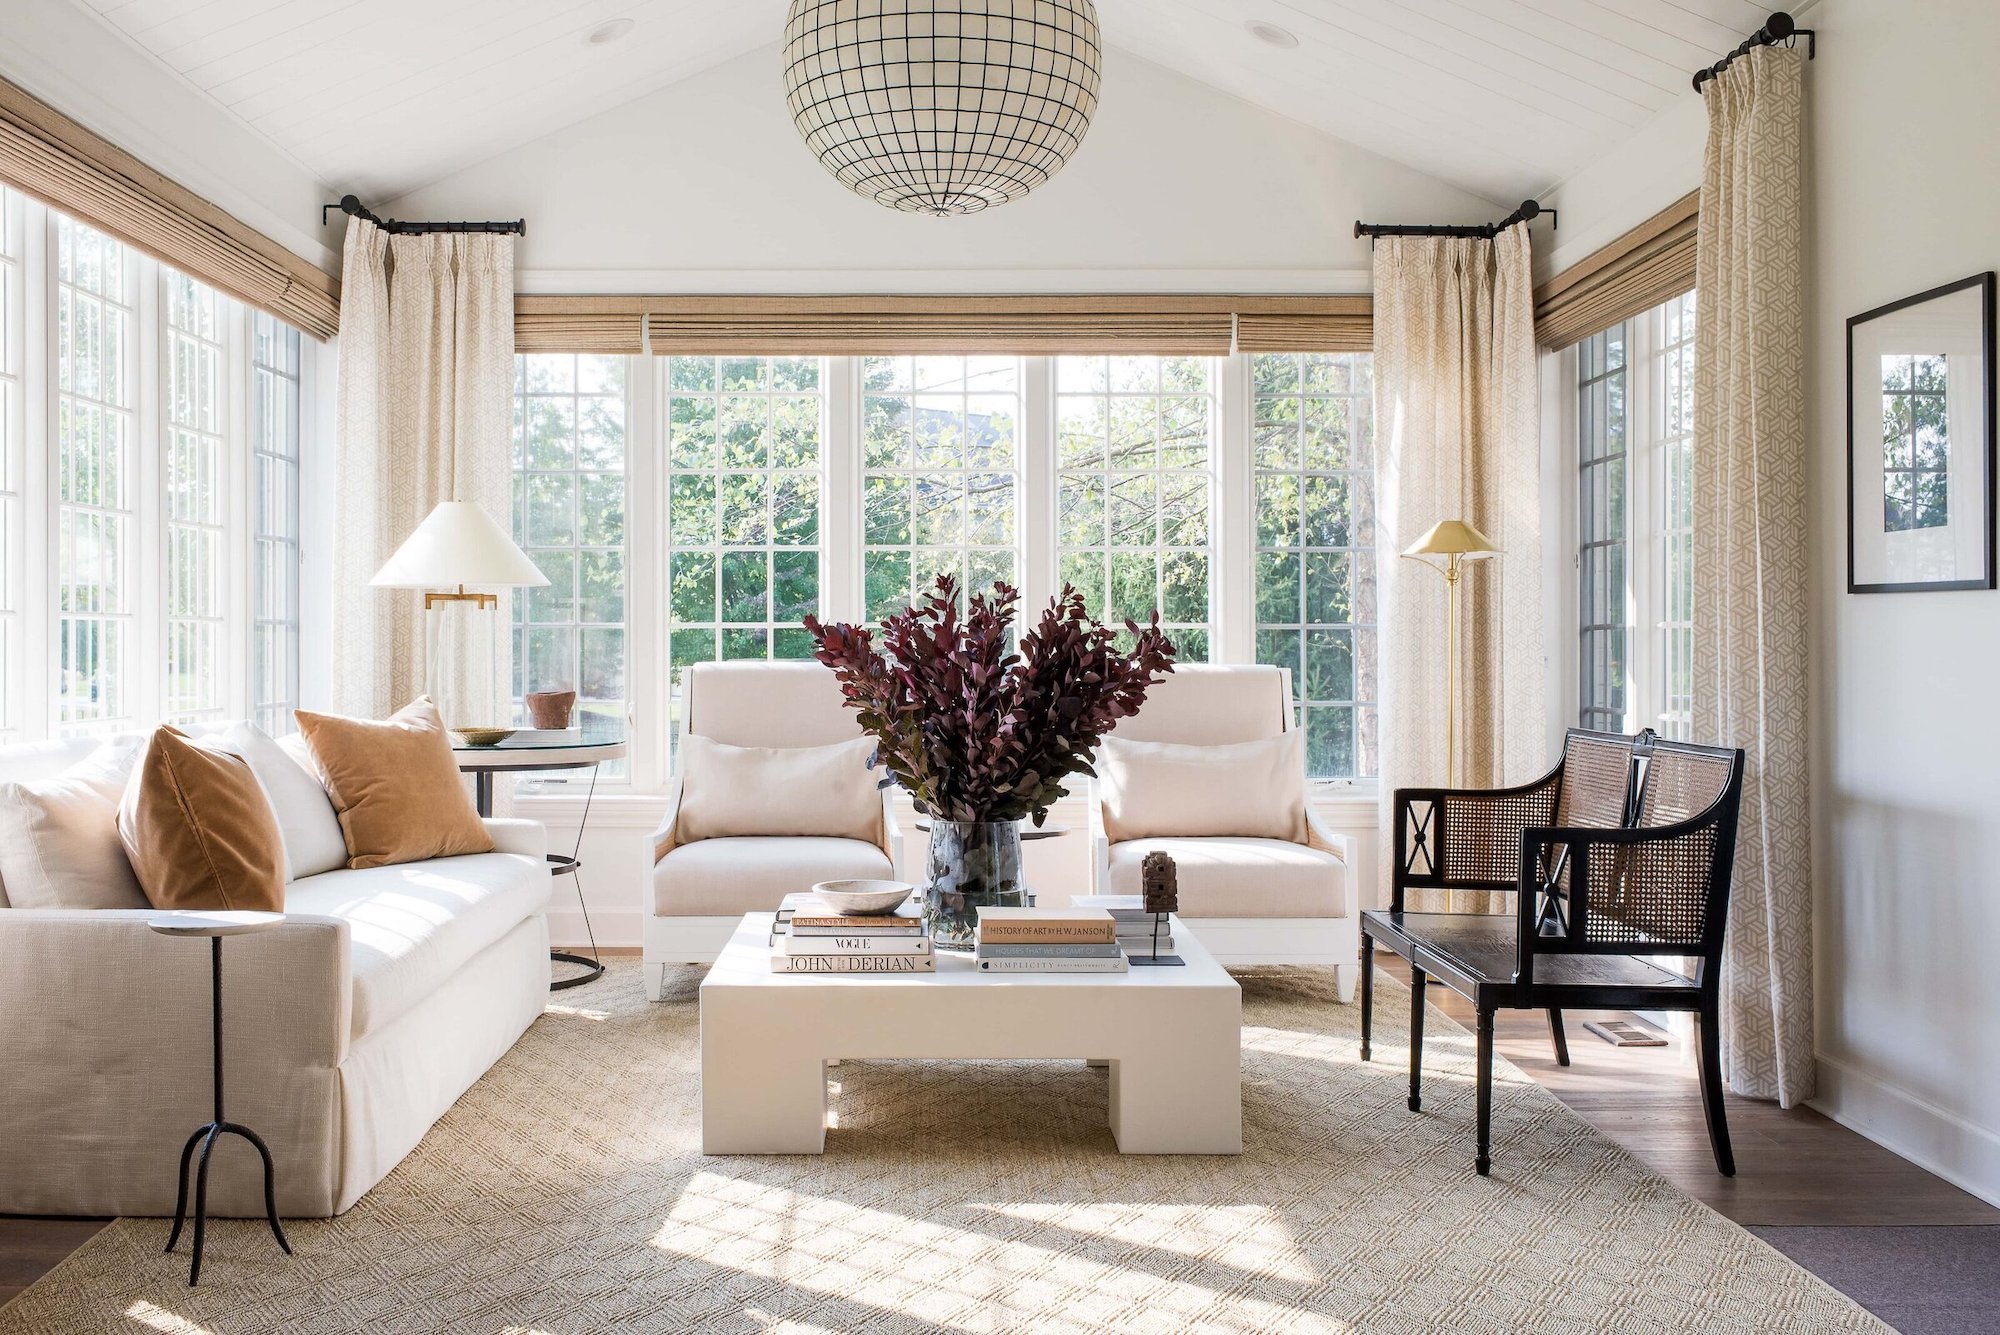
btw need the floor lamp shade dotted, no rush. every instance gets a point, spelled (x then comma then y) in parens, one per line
(458, 545)
(1447, 544)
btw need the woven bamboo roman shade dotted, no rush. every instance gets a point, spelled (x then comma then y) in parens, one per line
(45, 154)
(835, 326)
(1638, 271)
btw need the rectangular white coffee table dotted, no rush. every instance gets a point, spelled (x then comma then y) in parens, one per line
(1171, 1036)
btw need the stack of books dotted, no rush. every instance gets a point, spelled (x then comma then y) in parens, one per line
(1135, 926)
(814, 938)
(1051, 940)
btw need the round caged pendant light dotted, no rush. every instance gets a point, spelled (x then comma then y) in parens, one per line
(943, 107)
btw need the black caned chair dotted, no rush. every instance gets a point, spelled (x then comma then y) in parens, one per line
(1617, 857)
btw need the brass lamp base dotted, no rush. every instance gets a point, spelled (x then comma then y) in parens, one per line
(486, 601)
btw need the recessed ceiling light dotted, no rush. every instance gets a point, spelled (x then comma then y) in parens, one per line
(1271, 34)
(608, 32)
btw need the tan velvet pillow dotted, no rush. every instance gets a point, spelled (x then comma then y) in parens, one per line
(198, 830)
(395, 786)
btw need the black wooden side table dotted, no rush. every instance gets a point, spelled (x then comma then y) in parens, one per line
(215, 926)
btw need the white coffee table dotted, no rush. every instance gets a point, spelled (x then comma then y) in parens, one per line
(1171, 1037)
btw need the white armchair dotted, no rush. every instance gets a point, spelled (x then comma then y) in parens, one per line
(1251, 901)
(699, 891)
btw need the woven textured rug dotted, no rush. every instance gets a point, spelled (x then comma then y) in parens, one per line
(567, 1193)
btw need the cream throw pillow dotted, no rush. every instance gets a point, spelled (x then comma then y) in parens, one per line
(395, 786)
(765, 790)
(306, 819)
(59, 846)
(1161, 790)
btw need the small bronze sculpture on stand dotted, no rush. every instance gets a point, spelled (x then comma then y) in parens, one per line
(1159, 887)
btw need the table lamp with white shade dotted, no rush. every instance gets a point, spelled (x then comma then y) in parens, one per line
(458, 556)
(1455, 541)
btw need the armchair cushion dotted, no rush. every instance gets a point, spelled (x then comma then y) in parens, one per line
(1239, 878)
(733, 876)
(826, 791)
(1253, 789)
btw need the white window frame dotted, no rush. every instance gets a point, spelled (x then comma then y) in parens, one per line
(1232, 546)
(31, 547)
(1646, 602)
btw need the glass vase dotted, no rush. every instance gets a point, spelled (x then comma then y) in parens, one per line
(972, 863)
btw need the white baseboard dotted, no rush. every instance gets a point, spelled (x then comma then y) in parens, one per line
(612, 927)
(1935, 1140)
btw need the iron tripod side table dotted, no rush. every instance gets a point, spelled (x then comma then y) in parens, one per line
(215, 926)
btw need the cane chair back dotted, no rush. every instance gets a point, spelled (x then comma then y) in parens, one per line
(1596, 787)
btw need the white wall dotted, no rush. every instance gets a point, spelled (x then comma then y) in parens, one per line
(1903, 197)
(706, 186)
(76, 63)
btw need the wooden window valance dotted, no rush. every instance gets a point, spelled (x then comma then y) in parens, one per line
(1638, 271)
(45, 154)
(833, 326)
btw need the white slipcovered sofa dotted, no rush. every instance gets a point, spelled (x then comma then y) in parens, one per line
(699, 891)
(1250, 900)
(348, 1029)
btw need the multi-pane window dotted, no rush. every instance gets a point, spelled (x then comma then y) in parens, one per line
(96, 491)
(192, 471)
(1674, 357)
(1916, 429)
(569, 516)
(1633, 433)
(1601, 526)
(939, 453)
(1133, 485)
(275, 374)
(1313, 455)
(744, 468)
(12, 461)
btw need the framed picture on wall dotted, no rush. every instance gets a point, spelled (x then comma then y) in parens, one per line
(1921, 442)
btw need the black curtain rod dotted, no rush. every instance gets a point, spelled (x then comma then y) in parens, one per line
(1482, 231)
(354, 208)
(1778, 28)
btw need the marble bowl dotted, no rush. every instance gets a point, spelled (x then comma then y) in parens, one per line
(864, 896)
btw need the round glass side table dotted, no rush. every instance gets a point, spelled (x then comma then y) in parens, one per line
(528, 751)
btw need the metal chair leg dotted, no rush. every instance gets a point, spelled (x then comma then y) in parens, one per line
(1482, 1150)
(1367, 995)
(1711, 1091)
(1560, 1039)
(1416, 1039)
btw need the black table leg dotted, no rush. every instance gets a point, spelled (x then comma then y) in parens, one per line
(1416, 1039)
(1482, 1151)
(213, 1132)
(1367, 993)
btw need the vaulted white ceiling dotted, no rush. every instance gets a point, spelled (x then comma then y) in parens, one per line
(1498, 97)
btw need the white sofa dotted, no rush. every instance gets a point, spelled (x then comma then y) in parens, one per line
(1251, 901)
(348, 1030)
(699, 891)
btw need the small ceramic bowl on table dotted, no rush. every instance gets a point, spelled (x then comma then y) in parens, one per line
(864, 896)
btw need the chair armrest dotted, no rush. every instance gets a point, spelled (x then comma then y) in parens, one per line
(1342, 847)
(892, 833)
(664, 838)
(528, 838)
(1100, 843)
(1474, 831)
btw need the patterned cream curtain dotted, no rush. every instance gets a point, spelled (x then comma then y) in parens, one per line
(1750, 559)
(426, 411)
(1458, 437)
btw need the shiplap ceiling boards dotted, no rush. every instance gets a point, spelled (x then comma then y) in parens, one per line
(1499, 97)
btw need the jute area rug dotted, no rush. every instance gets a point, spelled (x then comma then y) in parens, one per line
(567, 1193)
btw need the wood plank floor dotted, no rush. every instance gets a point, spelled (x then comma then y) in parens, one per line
(1793, 1167)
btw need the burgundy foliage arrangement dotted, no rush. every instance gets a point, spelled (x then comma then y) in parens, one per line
(972, 731)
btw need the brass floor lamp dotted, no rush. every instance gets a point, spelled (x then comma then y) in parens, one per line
(1444, 549)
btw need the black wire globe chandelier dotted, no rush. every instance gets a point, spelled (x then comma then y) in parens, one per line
(943, 107)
